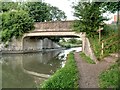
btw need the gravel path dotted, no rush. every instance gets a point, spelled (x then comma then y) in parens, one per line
(89, 72)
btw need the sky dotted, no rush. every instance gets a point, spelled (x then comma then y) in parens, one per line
(66, 6)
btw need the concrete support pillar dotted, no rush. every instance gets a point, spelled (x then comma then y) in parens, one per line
(83, 41)
(22, 43)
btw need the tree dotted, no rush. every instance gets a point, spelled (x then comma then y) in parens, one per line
(56, 14)
(15, 21)
(89, 17)
(113, 7)
(41, 12)
(8, 6)
(15, 24)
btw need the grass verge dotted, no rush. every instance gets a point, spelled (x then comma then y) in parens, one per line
(95, 46)
(110, 77)
(86, 58)
(66, 77)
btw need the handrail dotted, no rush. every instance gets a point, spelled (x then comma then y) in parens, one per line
(107, 46)
(109, 38)
(110, 45)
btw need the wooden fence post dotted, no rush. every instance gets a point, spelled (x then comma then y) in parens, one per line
(102, 51)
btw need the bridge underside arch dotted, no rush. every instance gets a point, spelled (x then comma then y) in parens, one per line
(35, 40)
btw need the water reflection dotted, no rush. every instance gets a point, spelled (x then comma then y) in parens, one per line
(29, 70)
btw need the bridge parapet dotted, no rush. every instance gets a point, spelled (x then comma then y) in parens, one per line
(51, 30)
(54, 26)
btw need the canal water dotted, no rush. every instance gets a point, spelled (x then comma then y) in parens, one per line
(30, 70)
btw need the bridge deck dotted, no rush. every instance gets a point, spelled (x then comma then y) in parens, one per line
(51, 33)
(54, 25)
(50, 30)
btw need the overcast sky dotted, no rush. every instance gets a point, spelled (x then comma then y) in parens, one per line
(65, 5)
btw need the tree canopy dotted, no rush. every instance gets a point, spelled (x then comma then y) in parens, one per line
(90, 16)
(41, 12)
(56, 14)
(7, 6)
(15, 24)
(19, 17)
(111, 6)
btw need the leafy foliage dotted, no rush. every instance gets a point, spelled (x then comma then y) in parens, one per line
(41, 12)
(56, 14)
(66, 77)
(38, 10)
(111, 6)
(15, 23)
(89, 17)
(8, 6)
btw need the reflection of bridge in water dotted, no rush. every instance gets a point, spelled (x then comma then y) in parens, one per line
(24, 70)
(39, 64)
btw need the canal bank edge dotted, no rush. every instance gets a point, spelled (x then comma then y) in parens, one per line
(66, 77)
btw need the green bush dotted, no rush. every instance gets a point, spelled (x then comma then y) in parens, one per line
(67, 77)
(15, 23)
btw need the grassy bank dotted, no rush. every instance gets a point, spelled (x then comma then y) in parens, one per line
(66, 77)
(86, 58)
(107, 33)
(95, 46)
(110, 77)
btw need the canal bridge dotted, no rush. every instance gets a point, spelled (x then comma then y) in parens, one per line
(53, 29)
(33, 40)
